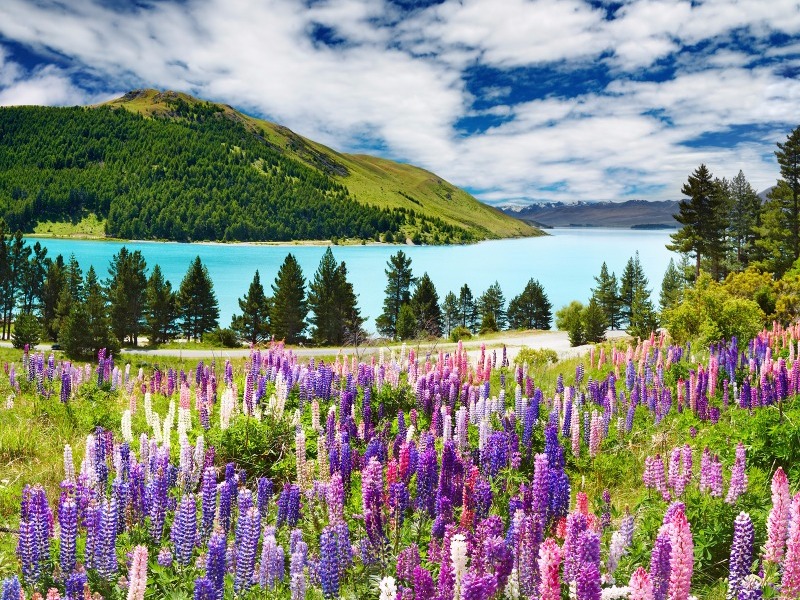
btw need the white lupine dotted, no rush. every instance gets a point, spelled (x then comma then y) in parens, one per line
(388, 588)
(148, 409)
(69, 465)
(184, 423)
(511, 590)
(616, 549)
(226, 407)
(614, 592)
(125, 426)
(458, 557)
(87, 465)
(10, 401)
(155, 423)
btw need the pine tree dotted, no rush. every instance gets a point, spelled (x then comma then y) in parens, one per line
(467, 309)
(788, 155)
(704, 220)
(161, 313)
(594, 322)
(33, 279)
(198, 308)
(569, 318)
(744, 219)
(289, 305)
(671, 287)
(127, 294)
(491, 307)
(252, 325)
(71, 292)
(406, 323)
(608, 296)
(335, 316)
(531, 309)
(87, 327)
(450, 313)
(425, 306)
(398, 293)
(18, 253)
(54, 282)
(643, 319)
(633, 278)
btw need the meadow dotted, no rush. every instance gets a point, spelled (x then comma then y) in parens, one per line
(644, 470)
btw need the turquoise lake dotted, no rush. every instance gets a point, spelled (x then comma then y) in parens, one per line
(565, 262)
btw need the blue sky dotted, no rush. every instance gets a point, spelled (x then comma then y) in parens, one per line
(515, 100)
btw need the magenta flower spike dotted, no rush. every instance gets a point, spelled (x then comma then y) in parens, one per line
(681, 557)
(778, 520)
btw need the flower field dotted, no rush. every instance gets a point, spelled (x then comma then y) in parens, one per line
(649, 472)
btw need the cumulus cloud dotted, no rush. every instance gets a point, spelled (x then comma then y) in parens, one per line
(381, 78)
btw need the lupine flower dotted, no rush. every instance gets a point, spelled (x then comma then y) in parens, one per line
(458, 558)
(741, 553)
(184, 529)
(203, 589)
(11, 589)
(641, 588)
(248, 530)
(388, 588)
(738, 484)
(549, 562)
(660, 565)
(790, 582)
(329, 564)
(165, 557)
(778, 521)
(68, 522)
(137, 576)
(215, 563)
(681, 562)
(423, 584)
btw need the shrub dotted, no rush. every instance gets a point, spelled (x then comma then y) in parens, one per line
(535, 357)
(223, 337)
(460, 333)
(263, 448)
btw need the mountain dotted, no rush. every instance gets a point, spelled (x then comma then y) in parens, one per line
(638, 214)
(165, 165)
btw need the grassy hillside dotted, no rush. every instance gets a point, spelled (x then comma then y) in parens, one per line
(369, 180)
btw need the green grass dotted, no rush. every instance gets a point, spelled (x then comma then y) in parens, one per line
(89, 227)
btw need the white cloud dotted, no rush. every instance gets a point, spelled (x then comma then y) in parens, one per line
(399, 80)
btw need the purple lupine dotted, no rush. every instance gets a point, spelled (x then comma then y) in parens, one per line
(203, 589)
(11, 589)
(105, 552)
(68, 523)
(738, 483)
(741, 554)
(165, 557)
(208, 500)
(215, 563)
(272, 560)
(328, 563)
(248, 531)
(423, 584)
(540, 485)
(264, 494)
(482, 496)
(184, 529)
(407, 560)
(74, 586)
(605, 516)
(660, 565)
(225, 501)
(289, 505)
(27, 553)
(157, 492)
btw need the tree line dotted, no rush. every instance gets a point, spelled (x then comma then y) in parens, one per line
(51, 298)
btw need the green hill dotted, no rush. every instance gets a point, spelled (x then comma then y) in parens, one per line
(155, 165)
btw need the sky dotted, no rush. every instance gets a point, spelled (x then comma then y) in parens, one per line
(517, 101)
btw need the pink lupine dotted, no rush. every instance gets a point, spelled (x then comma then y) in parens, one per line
(641, 586)
(549, 561)
(790, 582)
(137, 576)
(778, 521)
(674, 469)
(595, 434)
(681, 557)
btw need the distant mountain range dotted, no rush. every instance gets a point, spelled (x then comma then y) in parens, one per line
(631, 214)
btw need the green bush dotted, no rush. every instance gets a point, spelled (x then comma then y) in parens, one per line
(535, 357)
(223, 337)
(263, 448)
(460, 333)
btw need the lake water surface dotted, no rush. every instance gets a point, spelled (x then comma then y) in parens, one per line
(565, 263)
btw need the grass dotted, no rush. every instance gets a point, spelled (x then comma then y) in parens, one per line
(89, 227)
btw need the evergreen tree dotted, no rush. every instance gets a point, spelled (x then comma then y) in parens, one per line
(335, 316)
(425, 306)
(744, 219)
(704, 221)
(54, 282)
(289, 305)
(775, 234)
(671, 287)
(569, 318)
(608, 297)
(406, 323)
(788, 155)
(531, 309)
(398, 293)
(491, 307)
(467, 309)
(252, 325)
(71, 292)
(127, 294)
(594, 322)
(27, 330)
(33, 279)
(162, 309)
(633, 278)
(11, 289)
(643, 316)
(449, 311)
(87, 328)
(198, 308)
